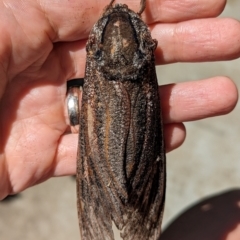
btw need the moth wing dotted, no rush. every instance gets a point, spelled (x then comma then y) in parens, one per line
(146, 164)
(121, 164)
(101, 181)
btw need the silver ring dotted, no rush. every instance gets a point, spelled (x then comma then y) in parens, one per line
(74, 96)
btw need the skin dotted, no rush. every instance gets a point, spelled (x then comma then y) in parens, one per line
(43, 45)
(234, 234)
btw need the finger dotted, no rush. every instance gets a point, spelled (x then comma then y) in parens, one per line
(193, 41)
(67, 150)
(5, 185)
(66, 156)
(176, 11)
(72, 57)
(72, 20)
(174, 135)
(197, 100)
(63, 164)
(197, 40)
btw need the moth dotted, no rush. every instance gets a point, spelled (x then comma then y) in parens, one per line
(121, 157)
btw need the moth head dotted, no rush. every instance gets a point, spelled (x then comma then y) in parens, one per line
(121, 46)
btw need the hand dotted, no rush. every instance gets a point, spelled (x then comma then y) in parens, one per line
(43, 45)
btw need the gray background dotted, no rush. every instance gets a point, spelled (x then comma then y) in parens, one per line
(208, 163)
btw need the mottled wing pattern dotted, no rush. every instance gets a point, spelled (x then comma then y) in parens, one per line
(121, 160)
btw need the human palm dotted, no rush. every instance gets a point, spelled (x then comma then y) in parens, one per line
(43, 45)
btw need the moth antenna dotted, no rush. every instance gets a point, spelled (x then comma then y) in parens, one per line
(108, 6)
(111, 3)
(142, 7)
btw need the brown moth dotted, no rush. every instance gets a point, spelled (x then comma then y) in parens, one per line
(121, 159)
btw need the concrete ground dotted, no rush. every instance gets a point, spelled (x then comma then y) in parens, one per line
(203, 177)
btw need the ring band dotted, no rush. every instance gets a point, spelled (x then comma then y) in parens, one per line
(74, 95)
